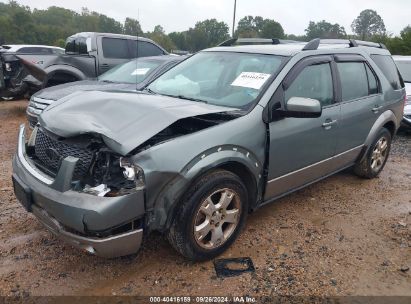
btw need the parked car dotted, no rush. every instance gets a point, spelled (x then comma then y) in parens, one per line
(87, 55)
(129, 76)
(221, 134)
(32, 49)
(404, 66)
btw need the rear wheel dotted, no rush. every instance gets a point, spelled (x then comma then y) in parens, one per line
(373, 163)
(210, 216)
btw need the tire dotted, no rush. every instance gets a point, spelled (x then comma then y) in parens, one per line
(374, 162)
(202, 207)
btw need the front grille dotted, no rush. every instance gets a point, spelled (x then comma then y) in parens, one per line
(50, 152)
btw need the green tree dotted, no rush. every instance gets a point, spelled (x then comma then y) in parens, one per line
(271, 29)
(405, 44)
(247, 27)
(180, 40)
(159, 36)
(324, 29)
(252, 27)
(295, 37)
(132, 27)
(109, 25)
(368, 24)
(207, 33)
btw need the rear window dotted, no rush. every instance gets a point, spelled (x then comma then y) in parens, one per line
(405, 69)
(390, 71)
(115, 48)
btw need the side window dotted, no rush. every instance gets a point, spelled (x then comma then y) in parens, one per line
(115, 48)
(390, 71)
(372, 81)
(34, 50)
(145, 49)
(314, 82)
(354, 80)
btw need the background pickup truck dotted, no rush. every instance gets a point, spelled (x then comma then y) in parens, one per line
(87, 55)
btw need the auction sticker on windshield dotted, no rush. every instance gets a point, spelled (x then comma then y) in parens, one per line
(251, 80)
(140, 71)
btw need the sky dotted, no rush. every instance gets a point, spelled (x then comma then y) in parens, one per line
(294, 15)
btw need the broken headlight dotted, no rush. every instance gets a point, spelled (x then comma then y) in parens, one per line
(112, 175)
(132, 172)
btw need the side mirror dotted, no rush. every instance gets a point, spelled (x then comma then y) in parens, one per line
(300, 107)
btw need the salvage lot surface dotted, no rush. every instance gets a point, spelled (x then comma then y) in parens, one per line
(341, 236)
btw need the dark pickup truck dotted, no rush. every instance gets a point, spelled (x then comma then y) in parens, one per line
(87, 55)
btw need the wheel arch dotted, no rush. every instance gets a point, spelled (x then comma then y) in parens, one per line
(234, 161)
(386, 120)
(64, 70)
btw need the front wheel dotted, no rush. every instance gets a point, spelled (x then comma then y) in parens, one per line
(210, 216)
(373, 163)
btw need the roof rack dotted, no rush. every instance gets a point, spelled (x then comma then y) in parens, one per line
(245, 41)
(315, 43)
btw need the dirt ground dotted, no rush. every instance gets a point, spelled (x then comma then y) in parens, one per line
(341, 236)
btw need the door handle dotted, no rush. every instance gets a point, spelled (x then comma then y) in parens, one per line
(329, 123)
(376, 109)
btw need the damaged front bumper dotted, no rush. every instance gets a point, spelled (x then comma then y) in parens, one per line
(105, 226)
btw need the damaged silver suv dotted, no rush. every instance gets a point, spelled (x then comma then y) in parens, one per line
(223, 133)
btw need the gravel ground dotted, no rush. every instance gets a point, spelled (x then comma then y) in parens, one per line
(341, 236)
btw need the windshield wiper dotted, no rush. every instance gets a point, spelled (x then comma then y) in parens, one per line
(187, 98)
(150, 91)
(147, 89)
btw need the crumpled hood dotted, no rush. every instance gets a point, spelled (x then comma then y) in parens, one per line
(63, 90)
(124, 120)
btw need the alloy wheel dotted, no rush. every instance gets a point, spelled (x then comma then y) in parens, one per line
(217, 218)
(379, 154)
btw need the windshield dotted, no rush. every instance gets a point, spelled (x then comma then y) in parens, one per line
(219, 78)
(405, 69)
(131, 72)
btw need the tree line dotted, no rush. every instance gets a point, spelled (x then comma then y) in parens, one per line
(20, 24)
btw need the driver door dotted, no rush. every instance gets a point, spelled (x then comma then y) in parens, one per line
(301, 149)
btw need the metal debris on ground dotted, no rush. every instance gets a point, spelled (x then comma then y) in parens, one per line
(233, 267)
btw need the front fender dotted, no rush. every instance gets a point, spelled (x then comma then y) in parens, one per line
(168, 198)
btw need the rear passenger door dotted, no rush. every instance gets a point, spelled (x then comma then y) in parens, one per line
(361, 102)
(301, 149)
